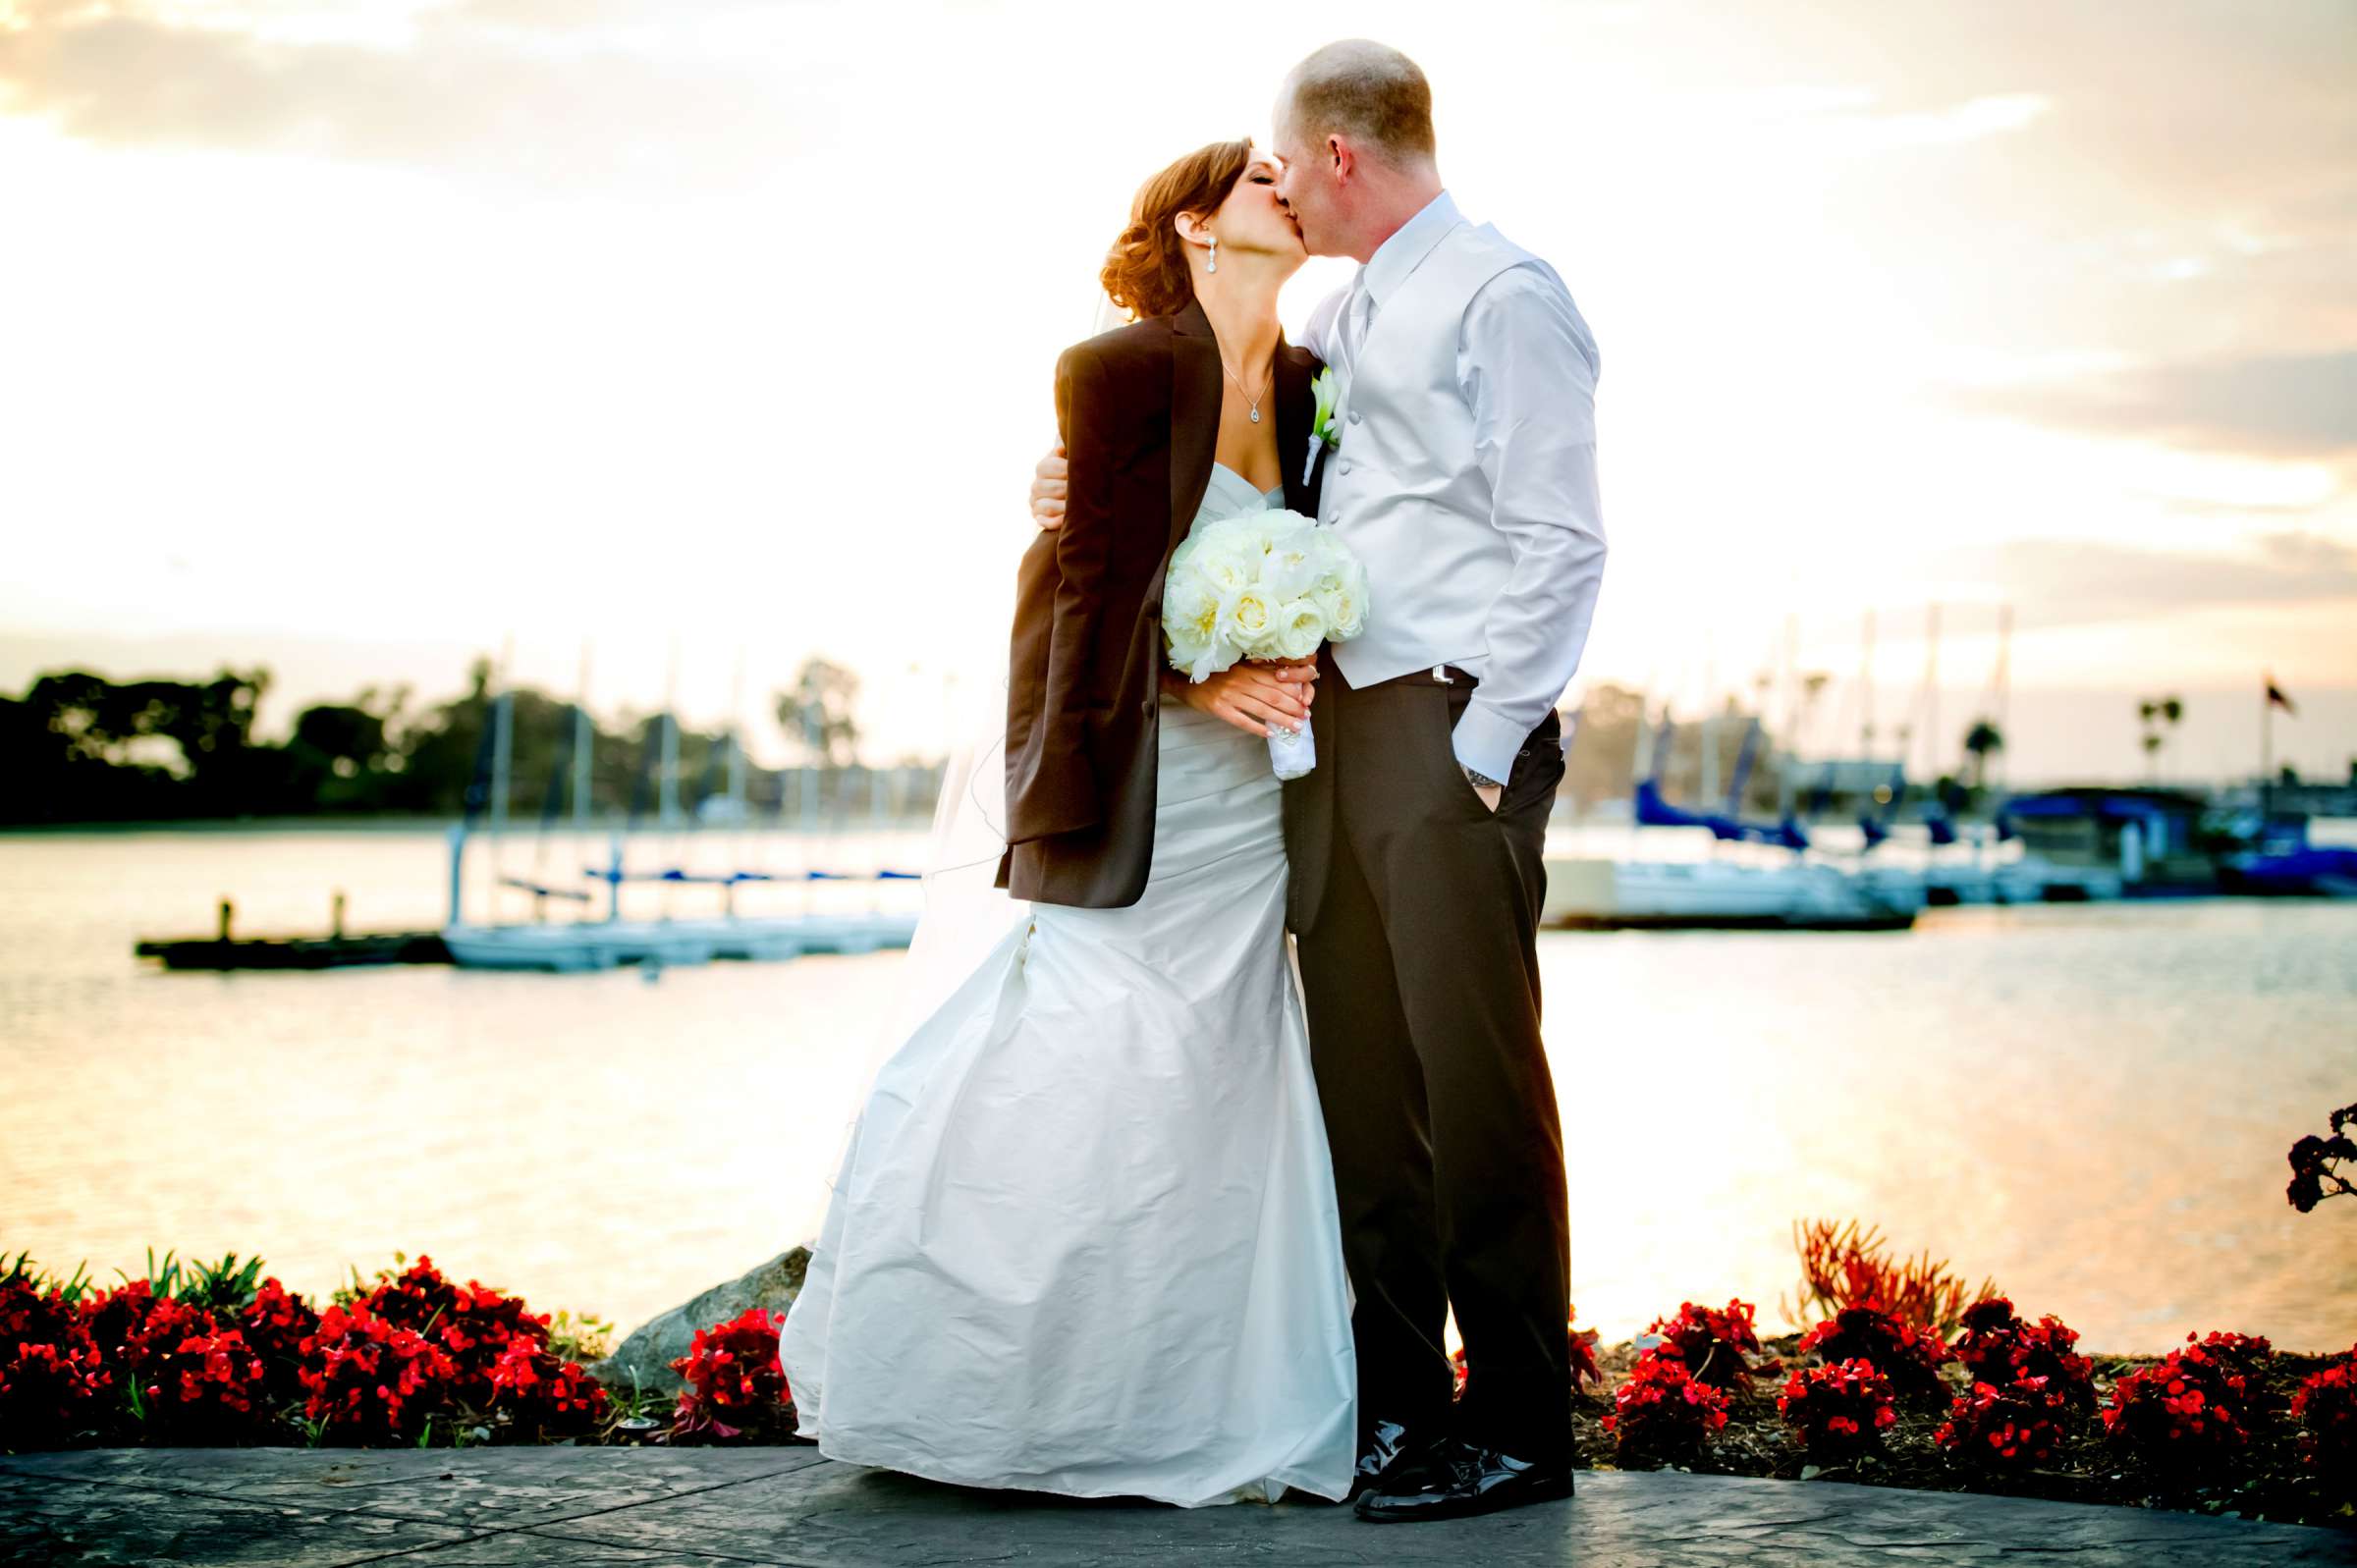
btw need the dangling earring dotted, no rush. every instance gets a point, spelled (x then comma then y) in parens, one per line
(1215, 255)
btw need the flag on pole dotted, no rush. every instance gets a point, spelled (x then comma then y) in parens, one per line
(2276, 699)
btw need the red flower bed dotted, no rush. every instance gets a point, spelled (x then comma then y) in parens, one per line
(2326, 1407)
(472, 1324)
(2001, 1348)
(52, 1392)
(30, 1315)
(2009, 1427)
(542, 1397)
(1839, 1412)
(2191, 1408)
(206, 1386)
(736, 1387)
(1662, 1413)
(115, 1317)
(275, 1323)
(188, 1376)
(1910, 1357)
(372, 1383)
(1712, 1344)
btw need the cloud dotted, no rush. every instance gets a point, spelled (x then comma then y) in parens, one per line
(2280, 406)
(1965, 122)
(555, 93)
(2073, 583)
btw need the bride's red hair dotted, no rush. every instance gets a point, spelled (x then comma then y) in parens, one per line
(1145, 273)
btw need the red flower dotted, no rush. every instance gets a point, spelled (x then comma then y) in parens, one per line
(207, 1386)
(735, 1384)
(2191, 1408)
(2014, 1426)
(472, 1324)
(1998, 1348)
(2326, 1408)
(1662, 1413)
(543, 1396)
(51, 1391)
(276, 1324)
(1712, 1344)
(1909, 1357)
(1837, 1412)
(370, 1382)
(32, 1315)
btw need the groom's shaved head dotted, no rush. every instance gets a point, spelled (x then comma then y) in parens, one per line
(1367, 92)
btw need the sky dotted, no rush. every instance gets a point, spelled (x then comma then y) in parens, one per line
(693, 337)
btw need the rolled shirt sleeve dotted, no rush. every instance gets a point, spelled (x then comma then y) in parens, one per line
(1527, 366)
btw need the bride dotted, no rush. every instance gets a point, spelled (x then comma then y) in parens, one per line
(1085, 1237)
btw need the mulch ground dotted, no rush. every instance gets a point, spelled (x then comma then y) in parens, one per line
(2267, 1482)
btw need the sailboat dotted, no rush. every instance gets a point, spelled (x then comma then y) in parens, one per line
(607, 940)
(1714, 892)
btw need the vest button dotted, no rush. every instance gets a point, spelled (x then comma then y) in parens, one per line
(1354, 416)
(1346, 466)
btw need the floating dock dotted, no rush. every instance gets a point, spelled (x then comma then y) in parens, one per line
(297, 953)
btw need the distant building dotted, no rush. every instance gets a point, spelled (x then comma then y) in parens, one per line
(2153, 838)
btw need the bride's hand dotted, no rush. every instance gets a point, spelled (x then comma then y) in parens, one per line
(1252, 696)
(1048, 482)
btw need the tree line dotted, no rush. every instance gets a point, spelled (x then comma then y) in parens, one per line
(80, 748)
(77, 747)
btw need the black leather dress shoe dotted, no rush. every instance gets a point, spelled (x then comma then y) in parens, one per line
(1455, 1478)
(1385, 1445)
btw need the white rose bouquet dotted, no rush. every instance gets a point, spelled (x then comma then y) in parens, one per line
(1268, 584)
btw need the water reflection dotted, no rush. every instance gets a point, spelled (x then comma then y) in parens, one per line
(2091, 1104)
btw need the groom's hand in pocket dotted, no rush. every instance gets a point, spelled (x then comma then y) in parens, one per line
(1048, 482)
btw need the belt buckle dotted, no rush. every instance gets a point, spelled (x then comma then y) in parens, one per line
(1440, 673)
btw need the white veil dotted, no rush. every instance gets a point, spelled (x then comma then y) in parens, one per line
(966, 915)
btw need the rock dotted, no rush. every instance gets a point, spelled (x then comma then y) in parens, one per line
(652, 1347)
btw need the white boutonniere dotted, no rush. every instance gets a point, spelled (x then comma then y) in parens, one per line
(1323, 435)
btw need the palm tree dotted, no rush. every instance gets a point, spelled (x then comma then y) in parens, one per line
(2159, 716)
(1979, 741)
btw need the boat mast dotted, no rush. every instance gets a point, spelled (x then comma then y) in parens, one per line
(581, 732)
(666, 783)
(1931, 695)
(503, 746)
(1866, 689)
(2005, 683)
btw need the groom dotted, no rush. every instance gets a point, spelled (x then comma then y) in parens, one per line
(1464, 478)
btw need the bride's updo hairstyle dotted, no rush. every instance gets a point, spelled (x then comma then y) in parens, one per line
(1145, 273)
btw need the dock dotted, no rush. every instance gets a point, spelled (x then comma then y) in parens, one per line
(296, 953)
(224, 949)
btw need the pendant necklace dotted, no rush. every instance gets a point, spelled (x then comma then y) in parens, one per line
(1252, 402)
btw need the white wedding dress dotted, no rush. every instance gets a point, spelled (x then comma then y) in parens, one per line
(1085, 1239)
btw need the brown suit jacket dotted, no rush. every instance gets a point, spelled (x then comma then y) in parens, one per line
(1138, 409)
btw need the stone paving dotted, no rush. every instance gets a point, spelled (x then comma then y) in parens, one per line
(595, 1507)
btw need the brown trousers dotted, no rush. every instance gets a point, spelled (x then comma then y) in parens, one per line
(1420, 961)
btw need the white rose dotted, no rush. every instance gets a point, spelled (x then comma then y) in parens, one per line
(1190, 620)
(1300, 627)
(1344, 604)
(1227, 563)
(1247, 617)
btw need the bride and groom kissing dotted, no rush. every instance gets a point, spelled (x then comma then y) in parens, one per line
(1134, 1211)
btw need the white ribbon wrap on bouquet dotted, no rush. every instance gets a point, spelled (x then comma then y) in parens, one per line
(1294, 754)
